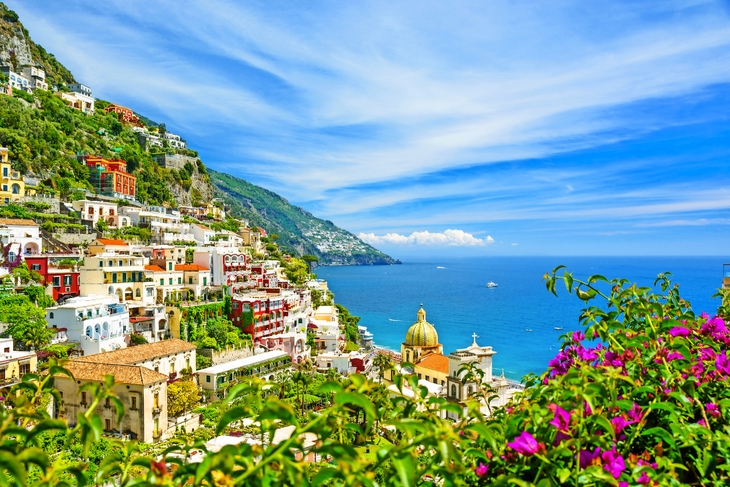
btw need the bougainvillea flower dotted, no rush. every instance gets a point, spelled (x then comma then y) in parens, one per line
(679, 331)
(587, 457)
(722, 364)
(674, 356)
(481, 470)
(525, 443)
(613, 359)
(619, 423)
(561, 418)
(613, 462)
(712, 410)
(560, 437)
(643, 478)
(578, 336)
(715, 328)
(587, 354)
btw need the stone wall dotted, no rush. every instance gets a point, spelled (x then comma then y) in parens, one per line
(54, 201)
(224, 356)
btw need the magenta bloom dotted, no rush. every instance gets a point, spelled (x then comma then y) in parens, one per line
(619, 423)
(525, 443)
(613, 359)
(643, 479)
(714, 327)
(613, 462)
(635, 413)
(586, 457)
(561, 418)
(712, 410)
(722, 364)
(560, 364)
(674, 356)
(679, 331)
(481, 470)
(578, 336)
(587, 354)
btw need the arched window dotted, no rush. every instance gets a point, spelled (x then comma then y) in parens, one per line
(138, 293)
(453, 390)
(408, 356)
(50, 315)
(88, 331)
(16, 189)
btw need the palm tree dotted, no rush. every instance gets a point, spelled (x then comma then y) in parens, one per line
(283, 380)
(383, 362)
(303, 379)
(484, 392)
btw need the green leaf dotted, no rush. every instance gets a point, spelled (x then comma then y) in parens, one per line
(568, 280)
(233, 414)
(46, 425)
(661, 433)
(406, 468)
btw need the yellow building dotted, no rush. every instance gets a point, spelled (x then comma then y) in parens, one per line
(12, 186)
(15, 364)
(422, 348)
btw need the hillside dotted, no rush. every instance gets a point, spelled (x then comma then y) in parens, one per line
(298, 229)
(45, 135)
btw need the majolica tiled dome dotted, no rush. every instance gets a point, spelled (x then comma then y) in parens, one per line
(422, 333)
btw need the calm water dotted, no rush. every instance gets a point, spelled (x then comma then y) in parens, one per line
(456, 301)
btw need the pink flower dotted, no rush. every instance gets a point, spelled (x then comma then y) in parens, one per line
(613, 359)
(586, 457)
(481, 470)
(712, 410)
(578, 336)
(678, 331)
(722, 364)
(674, 356)
(643, 478)
(526, 444)
(715, 328)
(613, 462)
(702, 422)
(619, 423)
(561, 418)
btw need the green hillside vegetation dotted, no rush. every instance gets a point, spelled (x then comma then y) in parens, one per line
(45, 137)
(298, 230)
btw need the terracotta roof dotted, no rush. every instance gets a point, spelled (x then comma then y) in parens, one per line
(435, 361)
(190, 267)
(154, 268)
(111, 241)
(124, 374)
(18, 221)
(140, 353)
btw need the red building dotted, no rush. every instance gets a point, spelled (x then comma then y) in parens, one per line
(64, 281)
(258, 315)
(110, 177)
(126, 115)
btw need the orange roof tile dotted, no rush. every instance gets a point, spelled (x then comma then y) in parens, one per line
(154, 268)
(139, 353)
(111, 241)
(435, 361)
(18, 221)
(190, 267)
(125, 374)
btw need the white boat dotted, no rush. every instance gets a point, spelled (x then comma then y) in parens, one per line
(491, 284)
(529, 330)
(558, 327)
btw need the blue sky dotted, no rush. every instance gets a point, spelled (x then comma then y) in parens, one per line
(459, 128)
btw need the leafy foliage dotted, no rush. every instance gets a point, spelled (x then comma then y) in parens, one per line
(182, 396)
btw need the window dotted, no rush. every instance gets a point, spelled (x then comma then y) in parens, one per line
(172, 367)
(5, 172)
(428, 378)
(205, 281)
(169, 266)
(170, 280)
(453, 390)
(179, 280)
(83, 398)
(156, 401)
(108, 424)
(2, 374)
(207, 377)
(35, 267)
(50, 315)
(108, 403)
(162, 282)
(67, 280)
(56, 281)
(190, 281)
(134, 402)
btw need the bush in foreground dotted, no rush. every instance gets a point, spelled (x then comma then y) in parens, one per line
(637, 397)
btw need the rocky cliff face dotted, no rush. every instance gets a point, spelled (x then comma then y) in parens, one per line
(14, 49)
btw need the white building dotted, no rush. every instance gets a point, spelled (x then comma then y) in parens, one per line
(22, 235)
(175, 141)
(227, 265)
(340, 361)
(16, 80)
(157, 218)
(94, 211)
(36, 77)
(203, 235)
(264, 365)
(79, 98)
(97, 323)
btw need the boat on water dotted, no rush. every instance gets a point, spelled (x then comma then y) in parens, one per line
(491, 284)
(529, 330)
(558, 327)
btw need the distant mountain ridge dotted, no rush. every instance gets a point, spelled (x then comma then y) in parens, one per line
(45, 136)
(298, 229)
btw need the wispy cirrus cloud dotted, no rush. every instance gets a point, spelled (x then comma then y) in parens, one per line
(455, 238)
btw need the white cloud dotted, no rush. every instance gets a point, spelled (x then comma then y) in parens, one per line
(454, 238)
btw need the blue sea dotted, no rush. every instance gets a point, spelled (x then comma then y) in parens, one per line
(457, 302)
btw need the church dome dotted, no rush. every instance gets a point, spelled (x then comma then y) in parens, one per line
(422, 333)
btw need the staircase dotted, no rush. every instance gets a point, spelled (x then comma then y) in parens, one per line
(53, 245)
